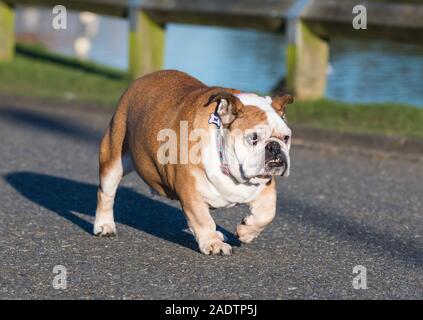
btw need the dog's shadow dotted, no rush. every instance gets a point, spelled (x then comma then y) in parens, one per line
(64, 196)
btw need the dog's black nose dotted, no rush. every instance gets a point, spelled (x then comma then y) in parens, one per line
(273, 148)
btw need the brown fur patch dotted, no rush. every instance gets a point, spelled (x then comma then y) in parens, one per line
(251, 116)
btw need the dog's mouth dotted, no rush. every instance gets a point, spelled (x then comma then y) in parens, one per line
(276, 163)
(273, 169)
(276, 160)
(276, 167)
(277, 170)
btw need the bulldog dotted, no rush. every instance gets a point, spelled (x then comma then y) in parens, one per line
(244, 143)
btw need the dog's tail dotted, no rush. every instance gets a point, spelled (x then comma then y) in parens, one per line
(113, 144)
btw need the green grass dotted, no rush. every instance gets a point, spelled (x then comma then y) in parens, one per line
(386, 118)
(35, 73)
(39, 74)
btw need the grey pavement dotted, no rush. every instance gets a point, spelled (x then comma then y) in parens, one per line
(335, 211)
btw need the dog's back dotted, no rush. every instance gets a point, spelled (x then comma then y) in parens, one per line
(165, 93)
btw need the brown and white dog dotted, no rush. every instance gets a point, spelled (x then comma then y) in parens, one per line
(246, 143)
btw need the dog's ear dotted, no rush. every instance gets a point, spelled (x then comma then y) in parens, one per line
(280, 103)
(228, 107)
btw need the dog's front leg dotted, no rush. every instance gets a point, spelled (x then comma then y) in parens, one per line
(202, 225)
(263, 210)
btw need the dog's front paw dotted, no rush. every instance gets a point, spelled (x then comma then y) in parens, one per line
(215, 245)
(247, 233)
(102, 229)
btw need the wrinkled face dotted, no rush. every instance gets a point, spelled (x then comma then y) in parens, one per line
(258, 141)
(255, 139)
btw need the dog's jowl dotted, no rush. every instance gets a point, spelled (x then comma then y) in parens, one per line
(208, 147)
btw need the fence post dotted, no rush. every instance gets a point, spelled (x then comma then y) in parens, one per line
(146, 44)
(307, 56)
(7, 32)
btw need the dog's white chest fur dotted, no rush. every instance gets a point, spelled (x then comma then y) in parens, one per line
(221, 191)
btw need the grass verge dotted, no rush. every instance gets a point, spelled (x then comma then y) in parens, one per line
(387, 119)
(36, 73)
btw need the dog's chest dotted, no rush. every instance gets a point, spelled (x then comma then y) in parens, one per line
(223, 192)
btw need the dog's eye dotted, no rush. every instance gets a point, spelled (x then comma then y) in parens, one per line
(253, 138)
(286, 139)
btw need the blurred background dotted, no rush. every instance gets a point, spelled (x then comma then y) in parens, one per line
(367, 81)
(354, 75)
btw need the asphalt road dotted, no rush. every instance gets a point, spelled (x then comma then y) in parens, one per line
(335, 211)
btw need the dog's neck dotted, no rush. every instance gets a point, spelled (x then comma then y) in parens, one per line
(220, 143)
(220, 147)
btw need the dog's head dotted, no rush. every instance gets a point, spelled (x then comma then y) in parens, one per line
(256, 137)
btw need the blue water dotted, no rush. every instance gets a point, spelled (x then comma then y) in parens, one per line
(377, 71)
(244, 59)
(360, 71)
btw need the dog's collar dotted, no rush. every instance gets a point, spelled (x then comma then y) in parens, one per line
(220, 142)
(220, 145)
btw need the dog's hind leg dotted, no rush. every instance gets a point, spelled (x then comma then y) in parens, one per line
(114, 164)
